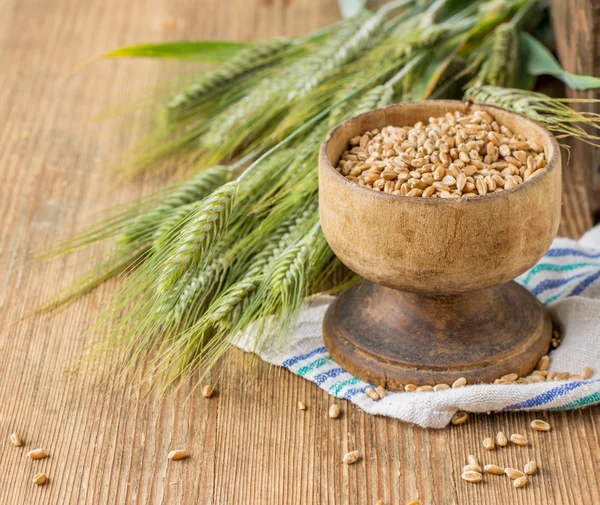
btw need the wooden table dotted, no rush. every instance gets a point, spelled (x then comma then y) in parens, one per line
(250, 444)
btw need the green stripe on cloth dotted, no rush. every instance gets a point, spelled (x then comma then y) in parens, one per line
(319, 362)
(336, 388)
(580, 402)
(551, 267)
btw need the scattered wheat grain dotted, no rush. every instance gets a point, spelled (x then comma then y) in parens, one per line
(15, 440)
(520, 482)
(208, 391)
(518, 439)
(501, 439)
(493, 469)
(472, 460)
(40, 479)
(371, 393)
(471, 476)
(334, 411)
(425, 388)
(351, 457)
(488, 443)
(459, 418)
(301, 405)
(539, 425)
(530, 468)
(37, 454)
(177, 455)
(543, 363)
(513, 473)
(459, 383)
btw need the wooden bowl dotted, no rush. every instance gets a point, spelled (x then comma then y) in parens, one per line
(439, 304)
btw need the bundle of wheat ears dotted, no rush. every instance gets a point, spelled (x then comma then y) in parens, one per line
(239, 243)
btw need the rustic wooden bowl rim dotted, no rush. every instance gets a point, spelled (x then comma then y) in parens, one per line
(551, 145)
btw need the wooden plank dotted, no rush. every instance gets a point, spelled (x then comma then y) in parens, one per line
(249, 444)
(577, 30)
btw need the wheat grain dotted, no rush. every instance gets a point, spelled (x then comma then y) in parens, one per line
(459, 418)
(488, 443)
(513, 473)
(543, 363)
(351, 457)
(530, 468)
(177, 454)
(520, 482)
(459, 383)
(334, 411)
(40, 479)
(15, 439)
(425, 389)
(381, 392)
(518, 439)
(472, 460)
(371, 393)
(539, 425)
(208, 391)
(37, 454)
(471, 476)
(501, 439)
(493, 469)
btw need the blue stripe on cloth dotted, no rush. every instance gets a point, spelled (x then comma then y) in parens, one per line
(546, 397)
(354, 391)
(336, 388)
(555, 283)
(292, 361)
(577, 290)
(565, 251)
(330, 374)
(584, 284)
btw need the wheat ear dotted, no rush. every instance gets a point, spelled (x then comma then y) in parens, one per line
(191, 191)
(553, 113)
(500, 65)
(245, 61)
(204, 225)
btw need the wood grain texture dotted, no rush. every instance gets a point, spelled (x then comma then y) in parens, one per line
(577, 27)
(248, 444)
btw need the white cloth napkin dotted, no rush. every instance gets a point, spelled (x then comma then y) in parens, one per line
(567, 279)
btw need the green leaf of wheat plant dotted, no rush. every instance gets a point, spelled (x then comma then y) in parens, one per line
(539, 61)
(210, 51)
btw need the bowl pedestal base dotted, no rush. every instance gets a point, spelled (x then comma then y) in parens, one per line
(391, 338)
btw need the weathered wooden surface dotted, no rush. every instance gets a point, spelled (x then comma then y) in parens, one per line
(249, 444)
(577, 27)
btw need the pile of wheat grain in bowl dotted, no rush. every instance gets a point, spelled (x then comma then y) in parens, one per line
(453, 156)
